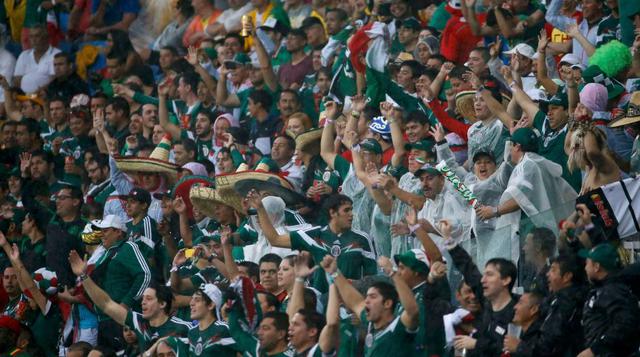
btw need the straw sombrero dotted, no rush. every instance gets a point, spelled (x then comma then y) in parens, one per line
(157, 162)
(307, 138)
(203, 199)
(271, 183)
(633, 112)
(464, 105)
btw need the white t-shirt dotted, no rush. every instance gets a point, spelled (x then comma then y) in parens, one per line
(35, 75)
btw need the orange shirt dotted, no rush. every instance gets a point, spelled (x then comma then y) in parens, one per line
(198, 24)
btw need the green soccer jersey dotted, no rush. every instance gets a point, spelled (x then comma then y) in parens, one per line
(46, 329)
(215, 340)
(552, 148)
(148, 334)
(353, 249)
(145, 235)
(247, 342)
(392, 340)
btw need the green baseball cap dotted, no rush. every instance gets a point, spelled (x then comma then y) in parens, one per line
(411, 23)
(427, 169)
(414, 259)
(211, 53)
(605, 254)
(424, 145)
(527, 138)
(240, 58)
(560, 99)
(593, 74)
(371, 145)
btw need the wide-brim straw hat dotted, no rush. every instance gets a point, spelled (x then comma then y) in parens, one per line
(204, 198)
(633, 112)
(157, 162)
(308, 138)
(464, 105)
(271, 183)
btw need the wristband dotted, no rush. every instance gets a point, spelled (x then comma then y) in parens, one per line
(441, 142)
(299, 280)
(355, 113)
(496, 212)
(328, 121)
(355, 148)
(84, 276)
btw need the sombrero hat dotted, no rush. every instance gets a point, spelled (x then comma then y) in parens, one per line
(271, 183)
(307, 138)
(157, 162)
(464, 105)
(30, 97)
(183, 187)
(633, 112)
(203, 197)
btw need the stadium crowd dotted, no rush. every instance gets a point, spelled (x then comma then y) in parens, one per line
(319, 178)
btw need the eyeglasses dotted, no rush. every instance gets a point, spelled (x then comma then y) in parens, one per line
(62, 197)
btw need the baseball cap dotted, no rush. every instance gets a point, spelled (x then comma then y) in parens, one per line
(161, 195)
(483, 153)
(427, 169)
(213, 293)
(527, 138)
(570, 58)
(110, 221)
(423, 144)
(593, 74)
(196, 168)
(605, 254)
(523, 49)
(380, 125)
(560, 99)
(240, 58)
(414, 259)
(310, 21)
(140, 195)
(371, 145)
(411, 23)
(274, 25)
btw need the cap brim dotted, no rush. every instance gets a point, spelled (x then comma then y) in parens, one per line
(410, 263)
(624, 121)
(203, 197)
(288, 196)
(583, 253)
(138, 164)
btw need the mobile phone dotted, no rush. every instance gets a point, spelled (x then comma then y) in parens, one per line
(188, 253)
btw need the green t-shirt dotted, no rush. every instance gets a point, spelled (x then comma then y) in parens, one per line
(353, 249)
(204, 148)
(207, 275)
(608, 30)
(243, 97)
(393, 340)
(552, 148)
(46, 329)
(215, 340)
(148, 334)
(248, 343)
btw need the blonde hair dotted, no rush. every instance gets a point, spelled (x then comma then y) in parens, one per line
(304, 119)
(577, 154)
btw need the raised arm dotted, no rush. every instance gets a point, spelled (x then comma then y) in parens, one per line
(24, 278)
(11, 109)
(394, 117)
(209, 81)
(350, 296)
(163, 113)
(330, 334)
(327, 150)
(99, 297)
(541, 64)
(430, 248)
(232, 271)
(391, 186)
(276, 239)
(575, 33)
(223, 97)
(302, 271)
(523, 100)
(410, 314)
(497, 109)
(185, 230)
(270, 78)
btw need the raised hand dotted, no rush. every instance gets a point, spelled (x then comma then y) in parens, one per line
(358, 102)
(301, 265)
(447, 67)
(180, 258)
(179, 206)
(438, 270)
(400, 229)
(78, 265)
(98, 119)
(25, 161)
(329, 264)
(254, 199)
(573, 30)
(543, 41)
(445, 228)
(437, 132)
(331, 109)
(496, 48)
(386, 109)
(350, 138)
(225, 236)
(192, 56)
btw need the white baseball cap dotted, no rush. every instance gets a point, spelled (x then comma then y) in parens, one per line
(523, 49)
(109, 221)
(570, 58)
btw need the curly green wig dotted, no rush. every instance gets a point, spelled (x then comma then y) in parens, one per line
(612, 58)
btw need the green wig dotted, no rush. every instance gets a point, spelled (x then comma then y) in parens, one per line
(612, 58)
